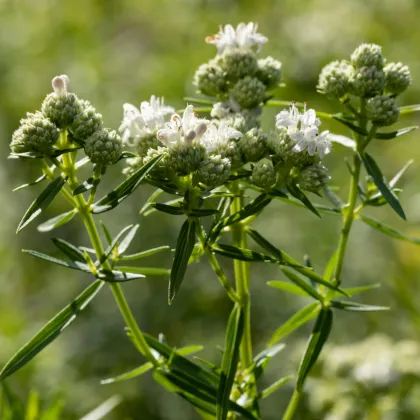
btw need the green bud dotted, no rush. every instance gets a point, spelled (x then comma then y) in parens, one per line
(248, 92)
(184, 159)
(313, 177)
(214, 171)
(383, 110)
(61, 109)
(86, 122)
(236, 64)
(161, 169)
(35, 134)
(334, 78)
(210, 79)
(366, 81)
(397, 78)
(368, 55)
(103, 147)
(263, 174)
(269, 72)
(143, 144)
(230, 150)
(253, 145)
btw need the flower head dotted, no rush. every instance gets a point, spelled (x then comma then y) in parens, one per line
(219, 136)
(245, 36)
(303, 130)
(144, 122)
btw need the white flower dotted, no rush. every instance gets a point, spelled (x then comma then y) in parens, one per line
(143, 122)
(215, 136)
(220, 110)
(244, 37)
(188, 129)
(303, 130)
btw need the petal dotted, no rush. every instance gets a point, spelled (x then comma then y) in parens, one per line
(311, 147)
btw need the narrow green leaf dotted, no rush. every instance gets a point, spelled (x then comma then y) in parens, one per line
(388, 230)
(116, 276)
(350, 125)
(343, 140)
(129, 375)
(115, 197)
(287, 287)
(300, 318)
(400, 173)
(361, 289)
(296, 192)
(42, 202)
(106, 231)
(393, 134)
(126, 242)
(37, 181)
(88, 185)
(302, 284)
(316, 342)
(330, 268)
(70, 250)
(202, 212)
(408, 109)
(113, 244)
(155, 195)
(104, 409)
(234, 332)
(262, 359)
(357, 307)
(183, 251)
(57, 221)
(274, 387)
(241, 254)
(147, 271)
(165, 208)
(382, 184)
(76, 265)
(144, 254)
(51, 330)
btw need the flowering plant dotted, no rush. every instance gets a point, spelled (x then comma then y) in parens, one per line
(221, 171)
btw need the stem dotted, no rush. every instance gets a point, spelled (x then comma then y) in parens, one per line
(293, 405)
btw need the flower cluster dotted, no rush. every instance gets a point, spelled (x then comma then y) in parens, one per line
(39, 133)
(367, 76)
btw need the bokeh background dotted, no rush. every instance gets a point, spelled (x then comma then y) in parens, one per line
(124, 51)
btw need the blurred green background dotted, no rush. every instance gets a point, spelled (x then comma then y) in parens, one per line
(124, 51)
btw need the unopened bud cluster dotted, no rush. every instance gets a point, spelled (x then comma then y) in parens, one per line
(63, 111)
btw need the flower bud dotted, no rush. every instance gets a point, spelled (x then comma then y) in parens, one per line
(248, 92)
(368, 55)
(397, 78)
(253, 145)
(269, 72)
(103, 147)
(313, 177)
(366, 81)
(35, 134)
(86, 122)
(383, 110)
(214, 171)
(334, 78)
(263, 174)
(236, 64)
(160, 170)
(145, 143)
(184, 159)
(210, 79)
(230, 150)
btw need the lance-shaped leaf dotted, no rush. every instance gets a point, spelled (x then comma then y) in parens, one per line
(319, 336)
(115, 276)
(56, 221)
(29, 184)
(165, 208)
(287, 287)
(76, 265)
(202, 212)
(70, 250)
(409, 109)
(274, 387)
(261, 360)
(234, 332)
(114, 243)
(298, 193)
(144, 254)
(51, 330)
(300, 318)
(388, 230)
(126, 242)
(42, 202)
(302, 284)
(120, 193)
(353, 127)
(88, 185)
(343, 140)
(382, 184)
(356, 307)
(152, 198)
(183, 251)
(147, 271)
(361, 289)
(241, 254)
(393, 134)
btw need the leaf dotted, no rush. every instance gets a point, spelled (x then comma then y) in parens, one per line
(147, 271)
(300, 318)
(113, 244)
(343, 140)
(202, 212)
(115, 276)
(183, 251)
(356, 307)
(71, 251)
(126, 242)
(155, 195)
(275, 386)
(353, 127)
(120, 193)
(296, 192)
(37, 181)
(261, 360)
(287, 287)
(51, 330)
(398, 176)
(382, 184)
(88, 185)
(42, 202)
(388, 230)
(330, 268)
(107, 233)
(234, 332)
(241, 254)
(302, 284)
(361, 289)
(316, 342)
(76, 265)
(393, 134)
(129, 375)
(164, 208)
(104, 409)
(408, 109)
(144, 254)
(56, 222)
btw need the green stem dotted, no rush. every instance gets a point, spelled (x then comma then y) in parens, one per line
(293, 405)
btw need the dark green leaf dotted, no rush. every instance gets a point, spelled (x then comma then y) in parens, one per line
(316, 342)
(183, 251)
(261, 360)
(274, 387)
(107, 233)
(287, 287)
(393, 134)
(59, 152)
(241, 254)
(302, 284)
(89, 184)
(353, 127)
(202, 212)
(164, 208)
(51, 330)
(356, 307)
(127, 155)
(115, 276)
(164, 185)
(234, 332)
(382, 184)
(300, 318)
(76, 265)
(42, 202)
(56, 222)
(37, 181)
(388, 230)
(114, 243)
(113, 198)
(296, 192)
(147, 271)
(71, 251)
(144, 254)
